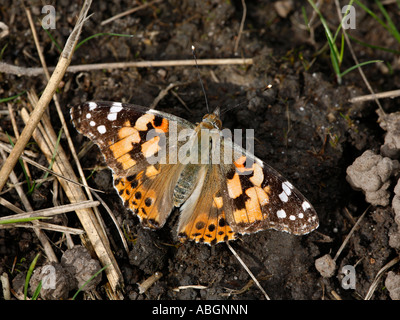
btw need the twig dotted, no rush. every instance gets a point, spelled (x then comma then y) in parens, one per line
(45, 98)
(378, 276)
(163, 93)
(5, 283)
(388, 94)
(46, 141)
(193, 286)
(241, 27)
(130, 11)
(45, 226)
(146, 284)
(39, 233)
(53, 211)
(16, 132)
(39, 166)
(350, 234)
(10, 206)
(21, 71)
(115, 221)
(248, 270)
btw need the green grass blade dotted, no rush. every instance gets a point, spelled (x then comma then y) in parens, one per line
(323, 21)
(29, 274)
(53, 40)
(102, 34)
(391, 26)
(359, 65)
(12, 98)
(373, 15)
(19, 220)
(90, 279)
(304, 13)
(37, 291)
(373, 46)
(2, 51)
(335, 61)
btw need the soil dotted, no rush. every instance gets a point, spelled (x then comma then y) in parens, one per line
(305, 127)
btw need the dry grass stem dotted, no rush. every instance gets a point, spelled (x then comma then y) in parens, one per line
(31, 72)
(378, 276)
(241, 27)
(193, 286)
(10, 206)
(146, 284)
(46, 139)
(350, 234)
(45, 226)
(16, 133)
(128, 12)
(52, 211)
(112, 216)
(248, 271)
(47, 95)
(39, 166)
(39, 233)
(388, 94)
(5, 283)
(163, 93)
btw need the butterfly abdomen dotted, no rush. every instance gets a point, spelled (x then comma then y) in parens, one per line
(186, 183)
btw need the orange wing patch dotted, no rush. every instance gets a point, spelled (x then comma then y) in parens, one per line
(158, 123)
(208, 230)
(139, 199)
(125, 145)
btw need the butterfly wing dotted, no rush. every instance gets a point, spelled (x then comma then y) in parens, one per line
(203, 216)
(240, 196)
(260, 198)
(121, 132)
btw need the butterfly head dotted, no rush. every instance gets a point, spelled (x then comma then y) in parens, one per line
(212, 120)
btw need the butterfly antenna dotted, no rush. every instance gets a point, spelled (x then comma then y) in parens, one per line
(240, 104)
(198, 73)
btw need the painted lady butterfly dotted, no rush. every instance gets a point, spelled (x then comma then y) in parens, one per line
(217, 201)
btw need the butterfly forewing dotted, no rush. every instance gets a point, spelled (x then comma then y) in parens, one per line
(259, 198)
(120, 130)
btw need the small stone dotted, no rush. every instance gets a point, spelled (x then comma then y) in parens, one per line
(326, 266)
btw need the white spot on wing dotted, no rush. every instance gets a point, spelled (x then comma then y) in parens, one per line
(287, 187)
(301, 215)
(283, 197)
(88, 115)
(116, 107)
(92, 123)
(305, 205)
(292, 217)
(281, 214)
(117, 104)
(101, 129)
(112, 116)
(92, 106)
(289, 184)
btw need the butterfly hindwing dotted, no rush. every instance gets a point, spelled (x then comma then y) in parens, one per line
(203, 216)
